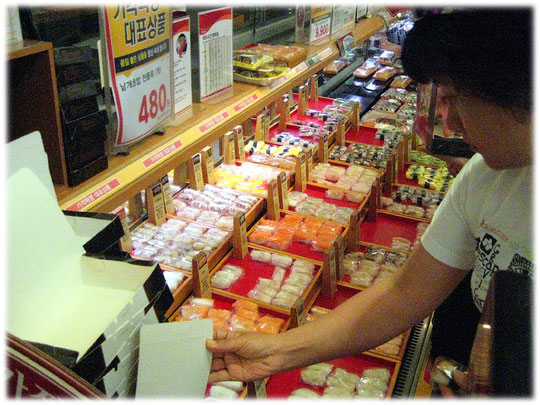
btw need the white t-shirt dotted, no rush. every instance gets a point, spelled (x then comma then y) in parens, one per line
(485, 224)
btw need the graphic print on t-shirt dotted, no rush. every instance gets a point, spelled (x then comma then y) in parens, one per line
(486, 252)
(520, 265)
(492, 257)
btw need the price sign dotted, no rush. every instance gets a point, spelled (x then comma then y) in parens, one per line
(273, 201)
(201, 278)
(167, 195)
(240, 247)
(300, 175)
(154, 203)
(329, 277)
(309, 162)
(321, 19)
(196, 178)
(139, 64)
(298, 313)
(126, 244)
(239, 142)
(207, 164)
(283, 191)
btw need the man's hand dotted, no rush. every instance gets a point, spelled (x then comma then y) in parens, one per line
(241, 356)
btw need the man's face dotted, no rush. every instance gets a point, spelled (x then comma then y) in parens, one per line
(503, 140)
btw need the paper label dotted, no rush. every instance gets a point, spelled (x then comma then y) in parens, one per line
(240, 245)
(284, 191)
(201, 277)
(167, 195)
(156, 210)
(300, 312)
(197, 172)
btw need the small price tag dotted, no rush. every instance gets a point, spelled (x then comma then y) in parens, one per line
(135, 205)
(314, 89)
(154, 204)
(167, 195)
(266, 126)
(298, 313)
(228, 142)
(283, 191)
(239, 142)
(201, 277)
(207, 164)
(196, 178)
(259, 131)
(302, 100)
(339, 245)
(329, 276)
(309, 162)
(273, 201)
(240, 246)
(323, 149)
(126, 244)
(300, 176)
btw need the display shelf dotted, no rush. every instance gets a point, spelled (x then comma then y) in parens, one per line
(180, 294)
(32, 101)
(155, 156)
(253, 270)
(282, 385)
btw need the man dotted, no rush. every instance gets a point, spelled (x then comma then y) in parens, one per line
(481, 61)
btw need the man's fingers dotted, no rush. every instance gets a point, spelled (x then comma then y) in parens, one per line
(221, 375)
(460, 377)
(218, 364)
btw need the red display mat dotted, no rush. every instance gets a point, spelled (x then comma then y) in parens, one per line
(299, 249)
(253, 270)
(313, 105)
(387, 227)
(341, 295)
(282, 385)
(364, 135)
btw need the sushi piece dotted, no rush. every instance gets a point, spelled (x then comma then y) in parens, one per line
(337, 392)
(281, 261)
(382, 374)
(261, 256)
(316, 374)
(304, 393)
(245, 304)
(222, 392)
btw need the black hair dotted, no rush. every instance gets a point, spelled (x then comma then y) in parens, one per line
(486, 53)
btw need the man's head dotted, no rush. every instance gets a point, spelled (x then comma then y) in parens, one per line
(482, 62)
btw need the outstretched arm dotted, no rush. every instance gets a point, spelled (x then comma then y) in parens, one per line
(363, 322)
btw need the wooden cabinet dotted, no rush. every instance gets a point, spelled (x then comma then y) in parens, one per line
(32, 100)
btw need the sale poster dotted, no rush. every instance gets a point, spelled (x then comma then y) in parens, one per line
(182, 64)
(321, 19)
(343, 19)
(215, 31)
(139, 62)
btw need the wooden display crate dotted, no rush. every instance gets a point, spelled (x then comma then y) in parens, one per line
(217, 254)
(253, 270)
(281, 386)
(296, 249)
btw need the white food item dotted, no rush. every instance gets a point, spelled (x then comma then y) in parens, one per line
(372, 383)
(336, 392)
(380, 373)
(237, 386)
(281, 261)
(304, 393)
(261, 256)
(220, 392)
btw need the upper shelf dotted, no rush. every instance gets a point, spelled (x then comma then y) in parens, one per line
(157, 155)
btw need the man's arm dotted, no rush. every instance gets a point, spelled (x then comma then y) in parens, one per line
(365, 321)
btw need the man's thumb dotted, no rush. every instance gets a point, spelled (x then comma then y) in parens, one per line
(222, 345)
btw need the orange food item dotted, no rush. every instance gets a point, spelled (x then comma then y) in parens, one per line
(385, 73)
(180, 318)
(238, 323)
(259, 236)
(244, 313)
(245, 304)
(323, 243)
(219, 323)
(219, 314)
(272, 319)
(268, 328)
(193, 311)
(280, 241)
(267, 222)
